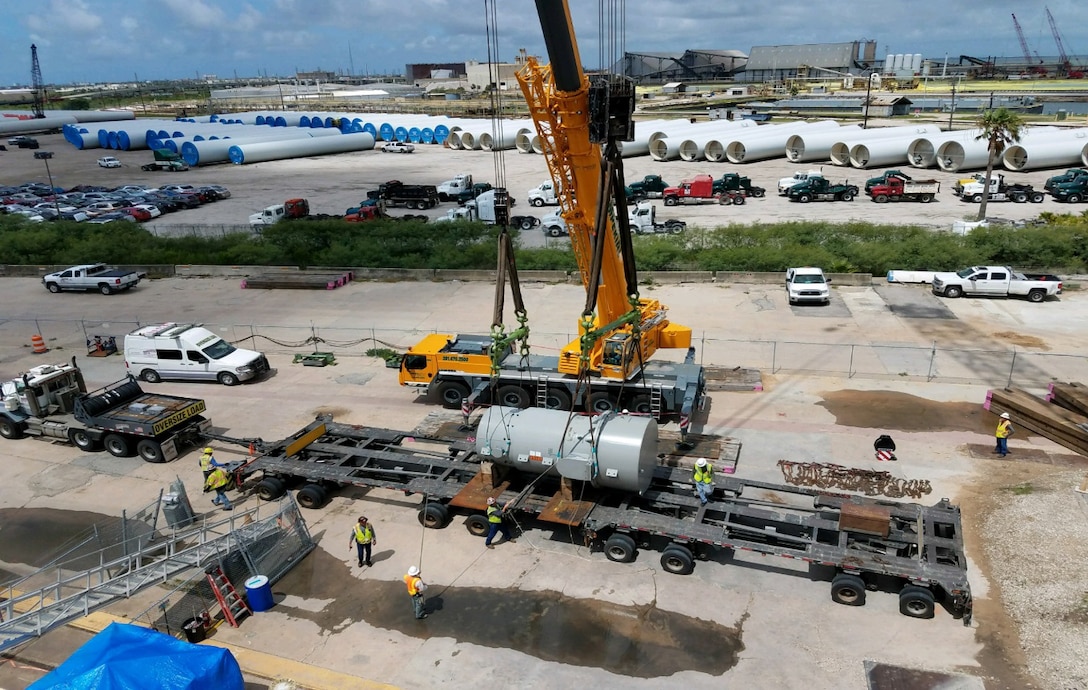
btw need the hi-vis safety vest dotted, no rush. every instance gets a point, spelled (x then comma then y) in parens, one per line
(704, 475)
(206, 462)
(364, 535)
(1003, 428)
(217, 479)
(413, 583)
(493, 514)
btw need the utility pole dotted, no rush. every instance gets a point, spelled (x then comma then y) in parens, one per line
(952, 110)
(44, 156)
(868, 90)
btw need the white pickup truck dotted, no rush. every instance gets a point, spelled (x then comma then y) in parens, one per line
(995, 281)
(91, 277)
(788, 183)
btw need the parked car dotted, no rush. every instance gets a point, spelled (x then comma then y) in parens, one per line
(111, 217)
(138, 214)
(23, 142)
(151, 209)
(397, 147)
(108, 162)
(216, 190)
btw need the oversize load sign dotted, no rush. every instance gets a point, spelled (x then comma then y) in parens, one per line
(178, 417)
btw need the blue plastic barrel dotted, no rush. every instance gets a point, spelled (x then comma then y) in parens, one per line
(259, 593)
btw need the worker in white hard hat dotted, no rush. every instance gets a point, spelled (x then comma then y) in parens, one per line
(703, 479)
(208, 462)
(1004, 431)
(416, 588)
(496, 519)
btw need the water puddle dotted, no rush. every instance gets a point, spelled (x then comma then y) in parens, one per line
(637, 641)
(892, 411)
(34, 536)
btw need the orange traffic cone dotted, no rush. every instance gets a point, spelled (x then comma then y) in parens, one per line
(38, 344)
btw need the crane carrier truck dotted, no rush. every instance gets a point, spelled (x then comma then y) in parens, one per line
(600, 481)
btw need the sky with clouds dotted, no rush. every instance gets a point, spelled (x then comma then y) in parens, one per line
(116, 40)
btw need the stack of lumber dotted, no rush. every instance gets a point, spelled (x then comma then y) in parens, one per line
(303, 280)
(1071, 396)
(1063, 426)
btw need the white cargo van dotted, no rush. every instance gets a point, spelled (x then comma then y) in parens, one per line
(189, 352)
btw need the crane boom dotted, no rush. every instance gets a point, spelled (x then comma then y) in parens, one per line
(1062, 57)
(1023, 41)
(37, 87)
(573, 117)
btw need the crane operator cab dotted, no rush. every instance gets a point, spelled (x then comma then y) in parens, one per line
(619, 349)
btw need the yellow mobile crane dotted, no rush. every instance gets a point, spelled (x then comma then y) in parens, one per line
(608, 367)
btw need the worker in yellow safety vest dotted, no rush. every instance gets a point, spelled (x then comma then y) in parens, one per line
(704, 480)
(208, 462)
(362, 537)
(1004, 431)
(416, 588)
(496, 519)
(218, 481)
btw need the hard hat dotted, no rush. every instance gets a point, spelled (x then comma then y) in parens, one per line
(362, 519)
(701, 462)
(413, 571)
(1004, 415)
(490, 501)
(208, 450)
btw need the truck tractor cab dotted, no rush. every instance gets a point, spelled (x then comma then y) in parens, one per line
(44, 390)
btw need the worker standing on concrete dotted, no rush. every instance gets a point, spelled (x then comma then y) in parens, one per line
(208, 462)
(416, 588)
(362, 536)
(704, 480)
(1004, 431)
(496, 518)
(218, 481)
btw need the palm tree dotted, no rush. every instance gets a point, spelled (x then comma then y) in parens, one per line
(1000, 128)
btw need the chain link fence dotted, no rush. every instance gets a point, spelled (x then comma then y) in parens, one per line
(992, 367)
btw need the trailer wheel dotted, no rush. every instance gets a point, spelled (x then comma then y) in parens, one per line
(9, 429)
(117, 445)
(601, 402)
(513, 396)
(150, 375)
(270, 488)
(1037, 296)
(848, 589)
(150, 450)
(312, 496)
(434, 516)
(452, 393)
(678, 560)
(557, 399)
(953, 291)
(916, 602)
(926, 198)
(477, 525)
(82, 440)
(620, 548)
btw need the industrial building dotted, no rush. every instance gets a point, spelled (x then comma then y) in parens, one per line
(787, 62)
(691, 65)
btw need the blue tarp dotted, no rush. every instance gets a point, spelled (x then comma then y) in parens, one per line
(130, 657)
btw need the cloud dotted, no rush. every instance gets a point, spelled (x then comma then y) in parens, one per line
(63, 18)
(195, 14)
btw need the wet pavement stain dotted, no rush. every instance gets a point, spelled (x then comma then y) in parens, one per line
(637, 641)
(34, 536)
(886, 677)
(893, 411)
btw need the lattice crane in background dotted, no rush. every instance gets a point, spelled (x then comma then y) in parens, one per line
(36, 85)
(1032, 67)
(1065, 67)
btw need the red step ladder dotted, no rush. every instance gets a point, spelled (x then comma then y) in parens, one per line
(232, 604)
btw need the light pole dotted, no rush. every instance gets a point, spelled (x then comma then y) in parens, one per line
(952, 110)
(45, 156)
(868, 90)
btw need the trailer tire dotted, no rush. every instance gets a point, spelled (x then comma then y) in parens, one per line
(513, 396)
(105, 289)
(620, 548)
(312, 496)
(678, 560)
(434, 516)
(916, 602)
(82, 440)
(848, 589)
(118, 446)
(557, 399)
(953, 291)
(1037, 296)
(227, 378)
(926, 198)
(10, 429)
(270, 488)
(477, 525)
(150, 375)
(601, 402)
(52, 287)
(452, 393)
(150, 450)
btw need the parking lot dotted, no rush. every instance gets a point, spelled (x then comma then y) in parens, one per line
(545, 612)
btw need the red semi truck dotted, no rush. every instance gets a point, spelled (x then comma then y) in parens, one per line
(698, 189)
(895, 188)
